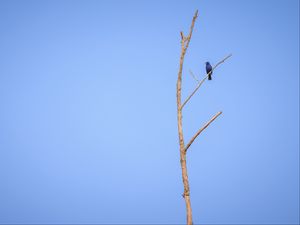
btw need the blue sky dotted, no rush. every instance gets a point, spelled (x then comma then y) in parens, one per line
(88, 129)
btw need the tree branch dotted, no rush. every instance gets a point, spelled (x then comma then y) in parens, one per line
(202, 129)
(202, 81)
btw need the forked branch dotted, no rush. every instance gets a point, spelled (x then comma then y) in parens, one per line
(186, 39)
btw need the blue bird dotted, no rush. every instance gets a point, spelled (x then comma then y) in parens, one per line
(208, 69)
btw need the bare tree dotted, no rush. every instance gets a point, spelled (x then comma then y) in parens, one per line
(185, 41)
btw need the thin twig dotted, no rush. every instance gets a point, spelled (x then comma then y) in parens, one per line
(194, 76)
(202, 129)
(201, 82)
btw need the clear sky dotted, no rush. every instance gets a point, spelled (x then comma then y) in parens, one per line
(88, 129)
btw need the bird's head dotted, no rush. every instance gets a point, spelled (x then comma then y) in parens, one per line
(207, 63)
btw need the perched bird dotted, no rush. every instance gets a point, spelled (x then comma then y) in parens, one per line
(208, 69)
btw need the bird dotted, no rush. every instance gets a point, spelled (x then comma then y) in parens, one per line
(208, 70)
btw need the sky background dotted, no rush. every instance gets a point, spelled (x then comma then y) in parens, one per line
(88, 124)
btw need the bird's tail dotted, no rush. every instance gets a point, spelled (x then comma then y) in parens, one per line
(209, 76)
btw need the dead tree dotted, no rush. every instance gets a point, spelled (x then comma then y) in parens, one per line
(185, 41)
